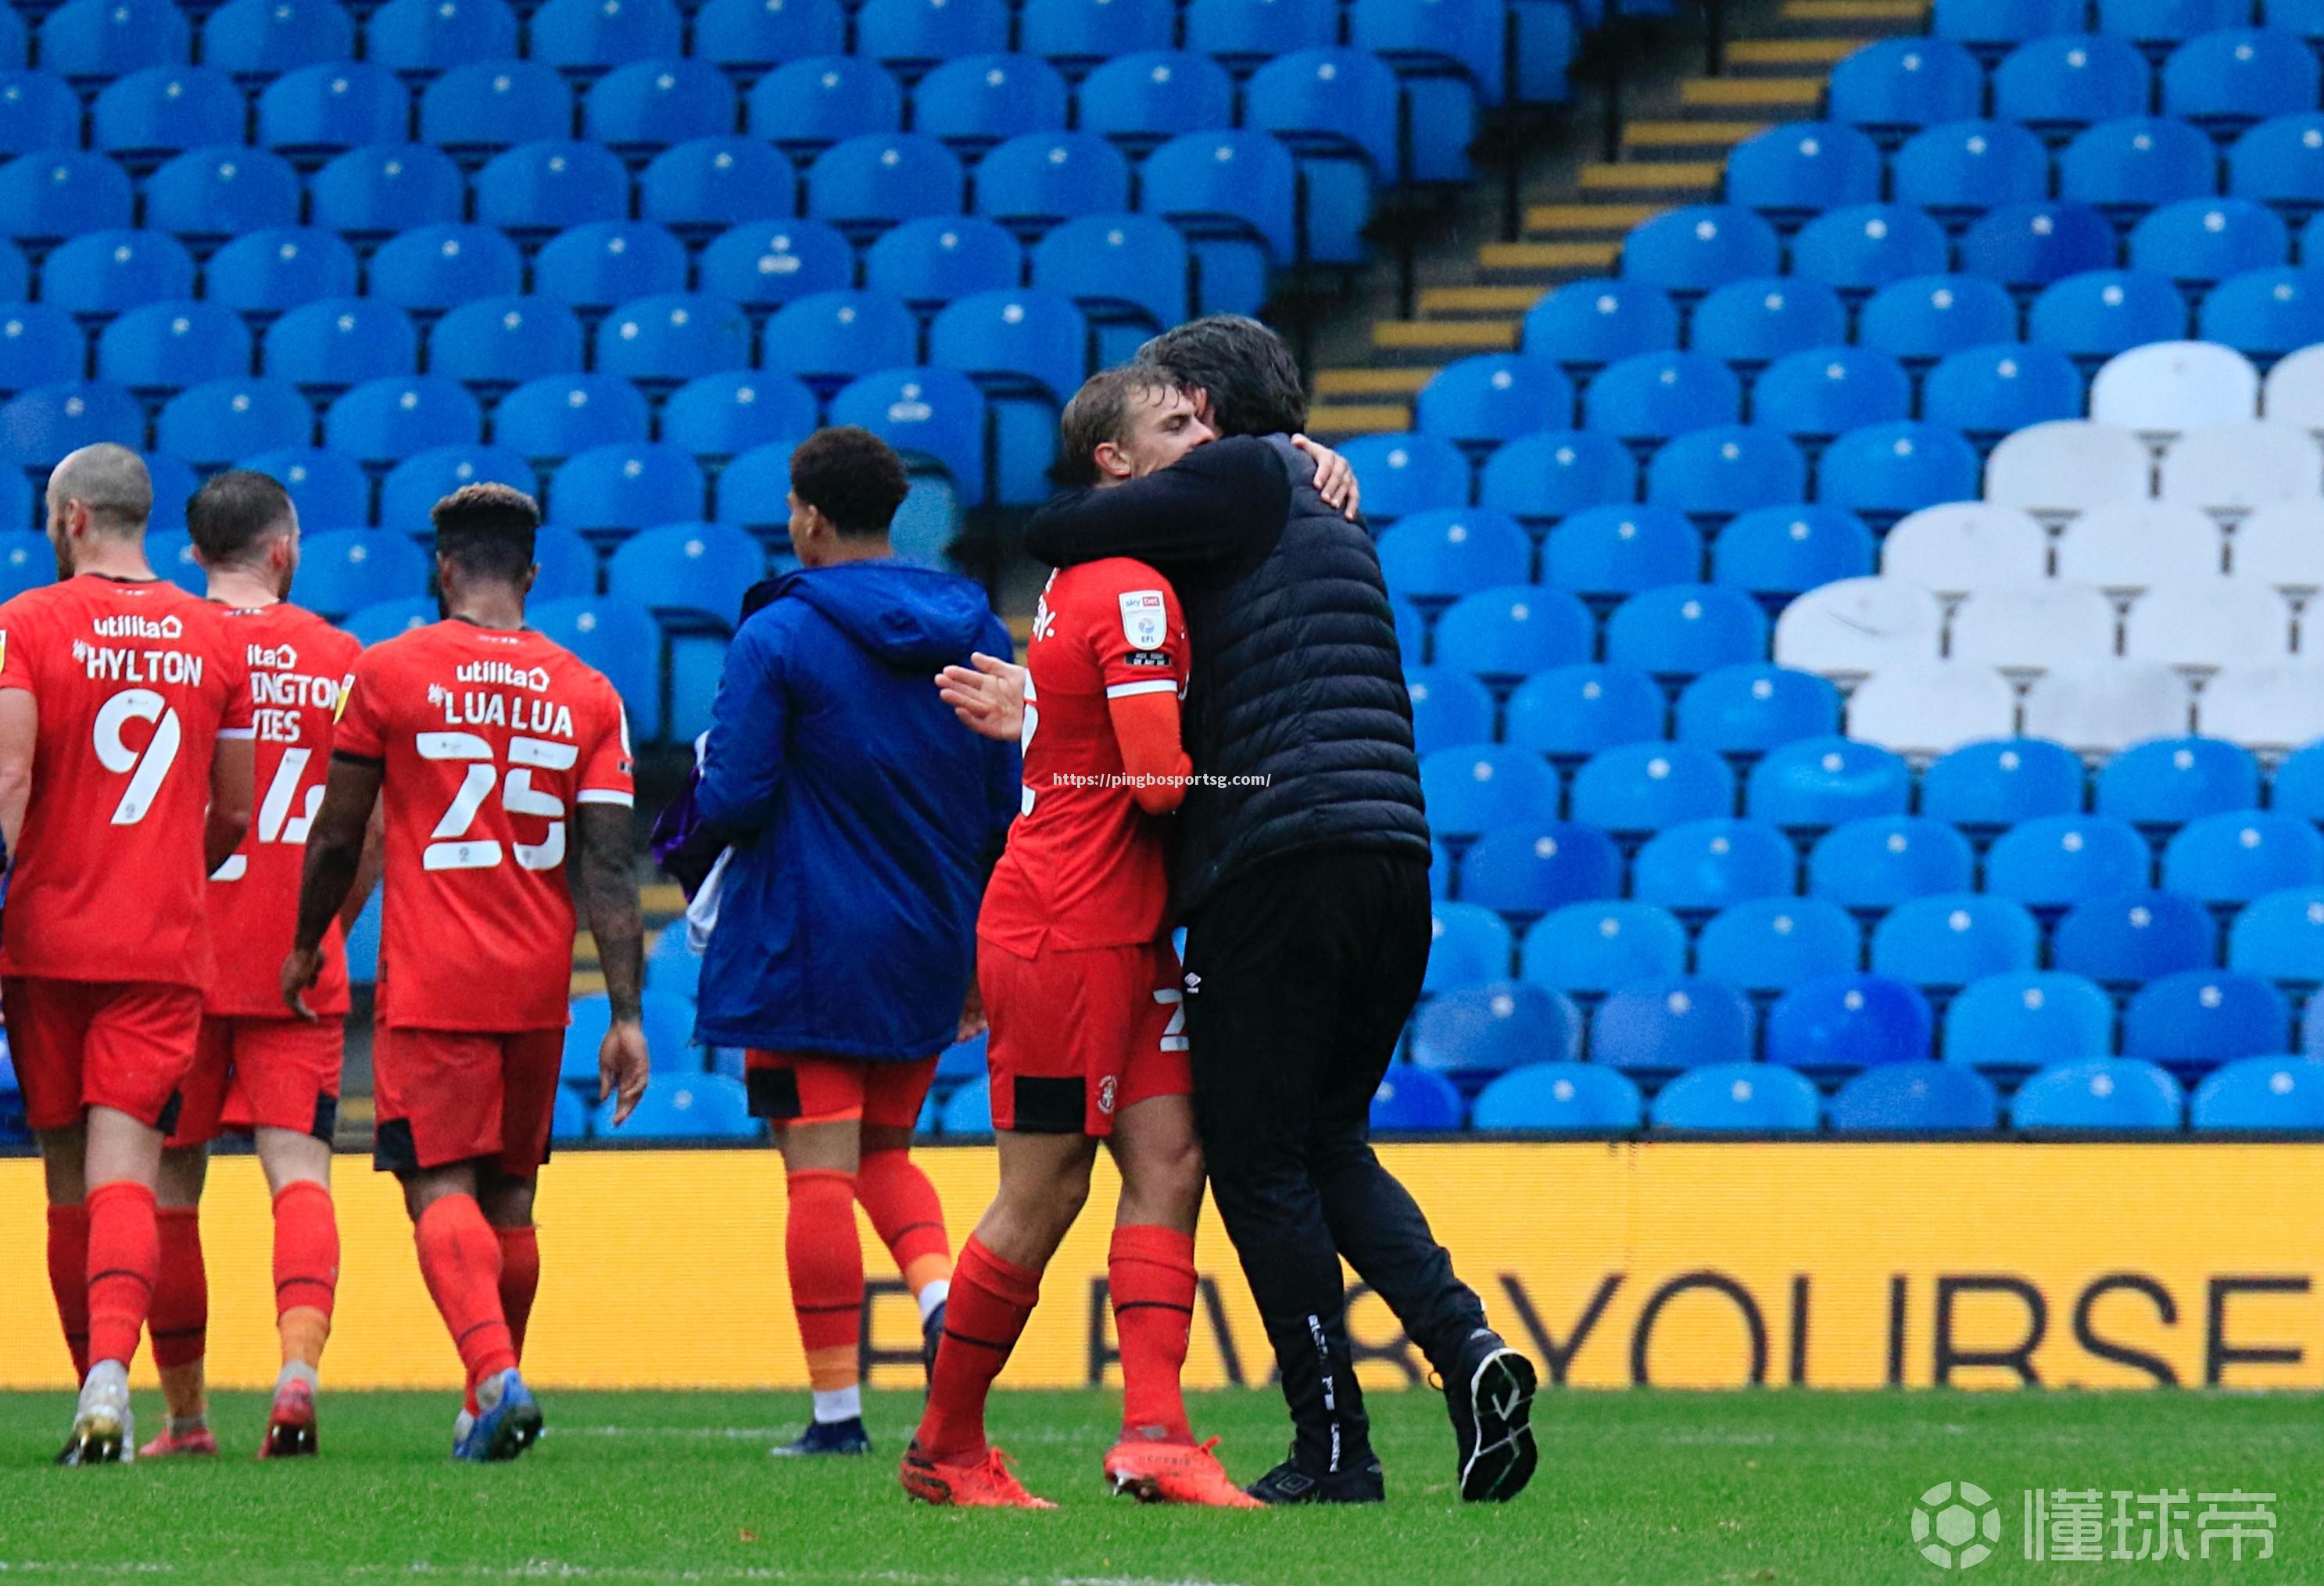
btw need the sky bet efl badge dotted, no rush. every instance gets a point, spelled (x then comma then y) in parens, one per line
(1144, 621)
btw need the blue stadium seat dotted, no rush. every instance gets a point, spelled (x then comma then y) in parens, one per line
(1835, 1024)
(386, 421)
(928, 262)
(1530, 867)
(1127, 269)
(1685, 630)
(1804, 168)
(568, 1120)
(700, 189)
(14, 44)
(256, 40)
(961, 1061)
(2015, 1021)
(1756, 321)
(62, 193)
(374, 192)
(417, 484)
(222, 419)
(1032, 182)
(768, 263)
(2126, 166)
(148, 116)
(1589, 949)
(1816, 394)
(537, 188)
(1513, 630)
(39, 345)
(1413, 1101)
(723, 414)
(387, 619)
(1695, 249)
(972, 102)
(692, 1106)
(42, 423)
(1244, 33)
(2170, 781)
(1571, 712)
(2092, 316)
(1468, 946)
(865, 184)
(2261, 1093)
(2224, 81)
(2236, 856)
(174, 481)
(2281, 935)
(2057, 860)
(27, 559)
(438, 267)
(672, 339)
(1915, 1098)
(1985, 392)
(162, 347)
(2193, 1022)
(314, 112)
(1670, 1024)
(2265, 313)
(1646, 787)
(1494, 396)
(1983, 787)
(90, 39)
(1900, 84)
(1651, 396)
(1962, 169)
(38, 110)
(1617, 550)
(1475, 789)
(627, 486)
(968, 1112)
(805, 106)
(488, 105)
(341, 570)
(1586, 323)
(560, 414)
(1145, 98)
(328, 489)
(1769, 944)
(1546, 475)
(753, 35)
(2280, 163)
(1450, 710)
(1929, 316)
(2165, 21)
(1712, 473)
(2060, 84)
(2026, 247)
(646, 106)
(609, 262)
(688, 572)
(1450, 552)
(1863, 246)
(1953, 938)
(595, 35)
(2131, 937)
(1472, 1033)
(620, 640)
(1006, 339)
(828, 339)
(215, 193)
(107, 272)
(2107, 1095)
(171, 553)
(1079, 34)
(1559, 1098)
(912, 35)
(752, 487)
(932, 415)
(496, 343)
(2200, 241)
(1737, 1098)
(1703, 866)
(2297, 787)
(425, 36)
(1752, 707)
(1883, 471)
(1340, 105)
(1776, 552)
(1881, 860)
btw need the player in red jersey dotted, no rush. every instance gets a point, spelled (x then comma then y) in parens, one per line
(489, 742)
(1080, 986)
(125, 780)
(257, 1070)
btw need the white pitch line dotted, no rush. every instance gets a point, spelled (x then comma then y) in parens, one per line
(557, 1570)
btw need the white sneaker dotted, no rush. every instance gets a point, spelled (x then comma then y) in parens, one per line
(104, 1430)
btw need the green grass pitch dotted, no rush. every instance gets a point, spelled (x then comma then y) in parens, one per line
(1770, 1486)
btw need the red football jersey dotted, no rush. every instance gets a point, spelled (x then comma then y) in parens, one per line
(134, 684)
(488, 739)
(1085, 867)
(299, 667)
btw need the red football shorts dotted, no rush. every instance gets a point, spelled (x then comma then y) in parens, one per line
(262, 1074)
(789, 1088)
(1080, 1034)
(126, 1045)
(454, 1095)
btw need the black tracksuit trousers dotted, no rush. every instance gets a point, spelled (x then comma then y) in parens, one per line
(1300, 975)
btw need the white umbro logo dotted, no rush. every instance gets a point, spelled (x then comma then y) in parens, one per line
(1194, 983)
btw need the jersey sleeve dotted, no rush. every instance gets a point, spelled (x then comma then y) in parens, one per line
(606, 776)
(1137, 633)
(20, 641)
(238, 719)
(362, 730)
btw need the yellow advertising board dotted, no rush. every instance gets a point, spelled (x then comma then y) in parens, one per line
(1825, 1264)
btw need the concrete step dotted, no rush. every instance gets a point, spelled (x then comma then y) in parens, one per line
(1337, 421)
(1686, 139)
(1811, 18)
(1337, 383)
(1545, 263)
(1786, 98)
(1573, 222)
(1684, 181)
(1790, 57)
(1477, 302)
(1409, 343)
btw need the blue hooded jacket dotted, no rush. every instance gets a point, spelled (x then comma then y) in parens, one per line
(863, 817)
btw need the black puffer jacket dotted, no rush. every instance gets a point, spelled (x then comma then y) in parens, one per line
(1297, 678)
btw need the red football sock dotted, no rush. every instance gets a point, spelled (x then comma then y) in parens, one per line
(519, 1279)
(990, 1301)
(305, 1270)
(461, 1261)
(903, 1206)
(125, 1257)
(181, 1299)
(826, 1273)
(68, 1279)
(1150, 1271)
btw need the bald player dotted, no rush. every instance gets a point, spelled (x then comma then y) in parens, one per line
(125, 773)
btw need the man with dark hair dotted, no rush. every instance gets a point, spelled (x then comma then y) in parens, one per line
(862, 822)
(1301, 871)
(490, 742)
(257, 1070)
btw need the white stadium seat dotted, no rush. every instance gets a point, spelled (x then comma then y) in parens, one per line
(2225, 623)
(2096, 707)
(2034, 625)
(2294, 392)
(1965, 545)
(1932, 709)
(2126, 546)
(2235, 467)
(2277, 708)
(2167, 387)
(2283, 544)
(1858, 625)
(2068, 465)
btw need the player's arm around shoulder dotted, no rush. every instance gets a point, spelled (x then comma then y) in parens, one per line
(1139, 650)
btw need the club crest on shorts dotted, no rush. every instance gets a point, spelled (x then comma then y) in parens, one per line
(1144, 621)
(1105, 1096)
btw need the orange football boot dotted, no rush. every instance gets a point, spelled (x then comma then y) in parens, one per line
(985, 1484)
(1174, 1472)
